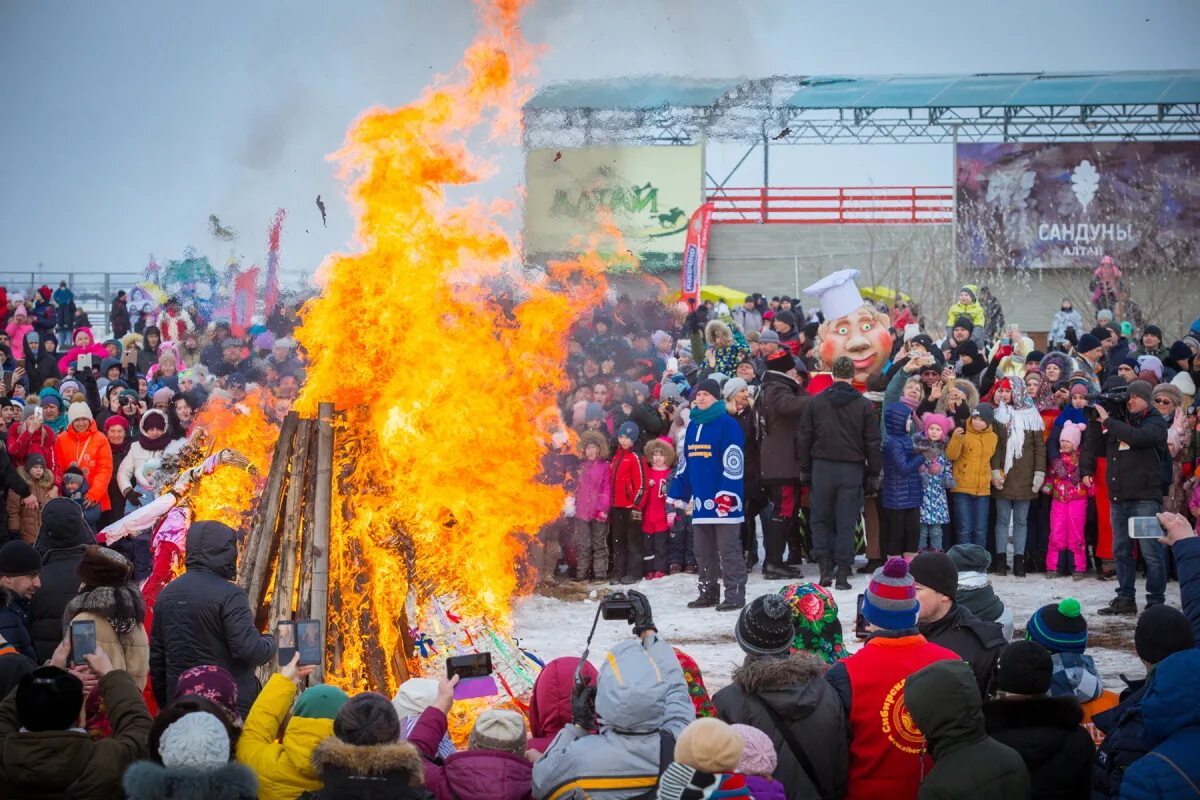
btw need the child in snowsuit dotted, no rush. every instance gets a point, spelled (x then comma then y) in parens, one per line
(936, 478)
(900, 498)
(628, 491)
(25, 523)
(971, 450)
(1068, 508)
(75, 487)
(660, 457)
(593, 496)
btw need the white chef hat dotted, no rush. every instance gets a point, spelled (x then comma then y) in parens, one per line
(838, 293)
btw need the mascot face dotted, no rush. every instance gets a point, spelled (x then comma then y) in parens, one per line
(862, 335)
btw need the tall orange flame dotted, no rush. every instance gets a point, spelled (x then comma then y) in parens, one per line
(438, 378)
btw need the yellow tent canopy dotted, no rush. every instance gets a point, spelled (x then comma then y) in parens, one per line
(717, 292)
(882, 294)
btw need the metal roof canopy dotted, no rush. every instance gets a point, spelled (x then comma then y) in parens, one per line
(896, 109)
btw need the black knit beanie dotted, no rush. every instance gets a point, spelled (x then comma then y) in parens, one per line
(1161, 631)
(765, 626)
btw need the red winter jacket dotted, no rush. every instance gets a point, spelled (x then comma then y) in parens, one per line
(629, 479)
(654, 504)
(550, 706)
(22, 444)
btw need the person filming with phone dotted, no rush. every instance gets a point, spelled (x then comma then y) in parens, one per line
(625, 726)
(1138, 473)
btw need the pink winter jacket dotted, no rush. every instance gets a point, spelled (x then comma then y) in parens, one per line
(593, 496)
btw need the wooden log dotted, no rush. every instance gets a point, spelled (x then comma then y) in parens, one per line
(322, 508)
(255, 562)
(283, 603)
(258, 561)
(304, 609)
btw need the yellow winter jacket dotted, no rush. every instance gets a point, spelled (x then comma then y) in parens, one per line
(971, 453)
(284, 767)
(973, 312)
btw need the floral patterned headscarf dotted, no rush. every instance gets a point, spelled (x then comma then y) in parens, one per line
(815, 613)
(695, 684)
(213, 683)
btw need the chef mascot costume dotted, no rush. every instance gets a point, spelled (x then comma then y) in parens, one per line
(853, 328)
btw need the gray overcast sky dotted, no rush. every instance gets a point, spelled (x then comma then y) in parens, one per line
(125, 124)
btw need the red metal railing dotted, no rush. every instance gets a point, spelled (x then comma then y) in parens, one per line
(833, 205)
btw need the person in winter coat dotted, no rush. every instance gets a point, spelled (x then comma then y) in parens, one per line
(628, 496)
(945, 705)
(110, 600)
(886, 761)
(282, 762)
(936, 478)
(364, 760)
(1161, 631)
(493, 767)
(83, 343)
(656, 526)
(203, 618)
(118, 315)
(966, 306)
(902, 485)
(1061, 629)
(47, 754)
(643, 706)
(1171, 718)
(758, 763)
(82, 445)
(1018, 469)
(840, 456)
(24, 521)
(153, 438)
(779, 406)
(784, 696)
(975, 592)
(32, 436)
(710, 474)
(705, 763)
(61, 541)
(946, 623)
(19, 326)
(593, 498)
(20, 566)
(1068, 509)
(550, 705)
(1045, 731)
(1066, 317)
(193, 762)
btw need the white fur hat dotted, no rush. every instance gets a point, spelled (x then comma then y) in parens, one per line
(1183, 381)
(414, 696)
(195, 741)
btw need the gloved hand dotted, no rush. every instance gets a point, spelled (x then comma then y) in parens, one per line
(569, 506)
(583, 706)
(1039, 478)
(872, 484)
(642, 619)
(132, 496)
(997, 479)
(725, 503)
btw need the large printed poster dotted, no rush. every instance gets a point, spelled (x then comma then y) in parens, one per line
(649, 193)
(1050, 206)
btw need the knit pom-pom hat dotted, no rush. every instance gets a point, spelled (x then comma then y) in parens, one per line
(890, 601)
(1059, 628)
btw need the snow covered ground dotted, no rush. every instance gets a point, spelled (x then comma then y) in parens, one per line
(553, 626)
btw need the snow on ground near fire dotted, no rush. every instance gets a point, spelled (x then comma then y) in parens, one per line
(553, 627)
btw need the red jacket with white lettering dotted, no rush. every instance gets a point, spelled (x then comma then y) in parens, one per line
(629, 479)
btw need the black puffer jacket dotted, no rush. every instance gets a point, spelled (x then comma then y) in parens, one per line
(61, 541)
(1046, 732)
(976, 641)
(839, 424)
(779, 405)
(794, 687)
(202, 617)
(1136, 472)
(14, 623)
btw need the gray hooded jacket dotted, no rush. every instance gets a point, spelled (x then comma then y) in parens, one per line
(640, 691)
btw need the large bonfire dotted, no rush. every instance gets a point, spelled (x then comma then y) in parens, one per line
(441, 385)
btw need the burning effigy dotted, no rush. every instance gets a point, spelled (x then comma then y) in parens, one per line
(435, 384)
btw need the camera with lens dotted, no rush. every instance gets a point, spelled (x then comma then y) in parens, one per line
(1113, 402)
(616, 606)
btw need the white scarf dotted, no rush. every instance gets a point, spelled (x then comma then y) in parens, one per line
(1017, 421)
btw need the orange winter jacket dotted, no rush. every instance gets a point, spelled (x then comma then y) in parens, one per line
(91, 452)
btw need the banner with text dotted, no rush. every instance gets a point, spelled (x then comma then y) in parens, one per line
(1066, 205)
(695, 254)
(648, 193)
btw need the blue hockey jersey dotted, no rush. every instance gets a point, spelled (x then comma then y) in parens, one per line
(711, 466)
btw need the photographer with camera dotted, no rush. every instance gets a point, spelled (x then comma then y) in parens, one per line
(625, 726)
(1134, 448)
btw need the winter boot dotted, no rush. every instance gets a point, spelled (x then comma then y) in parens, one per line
(870, 567)
(1019, 566)
(795, 544)
(999, 565)
(1120, 607)
(773, 572)
(843, 577)
(735, 597)
(826, 572)
(710, 595)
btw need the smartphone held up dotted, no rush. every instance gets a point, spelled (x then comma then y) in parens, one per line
(474, 671)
